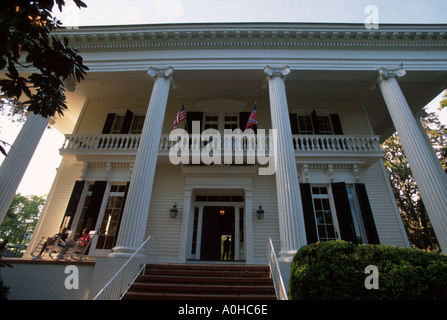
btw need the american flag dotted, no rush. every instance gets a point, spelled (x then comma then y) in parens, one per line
(252, 119)
(181, 115)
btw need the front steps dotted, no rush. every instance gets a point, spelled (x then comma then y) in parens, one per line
(203, 282)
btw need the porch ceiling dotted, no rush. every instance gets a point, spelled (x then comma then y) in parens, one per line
(419, 87)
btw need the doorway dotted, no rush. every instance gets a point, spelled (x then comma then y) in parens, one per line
(218, 225)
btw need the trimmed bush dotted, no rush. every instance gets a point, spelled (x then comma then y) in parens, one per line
(336, 270)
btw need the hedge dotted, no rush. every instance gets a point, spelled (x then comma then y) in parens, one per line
(336, 270)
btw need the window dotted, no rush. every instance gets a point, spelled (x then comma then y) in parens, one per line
(315, 124)
(357, 219)
(123, 124)
(110, 220)
(221, 121)
(324, 125)
(305, 125)
(323, 214)
(117, 125)
(211, 122)
(194, 233)
(137, 124)
(231, 121)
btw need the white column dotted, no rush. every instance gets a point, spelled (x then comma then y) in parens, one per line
(248, 225)
(16, 162)
(133, 225)
(431, 183)
(290, 211)
(186, 224)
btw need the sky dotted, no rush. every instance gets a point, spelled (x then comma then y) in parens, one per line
(42, 169)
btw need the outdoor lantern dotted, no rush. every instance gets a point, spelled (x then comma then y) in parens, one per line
(222, 211)
(260, 212)
(173, 211)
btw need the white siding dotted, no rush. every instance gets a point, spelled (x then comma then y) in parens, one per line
(168, 189)
(264, 193)
(57, 200)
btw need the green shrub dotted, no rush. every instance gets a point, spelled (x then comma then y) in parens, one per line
(336, 270)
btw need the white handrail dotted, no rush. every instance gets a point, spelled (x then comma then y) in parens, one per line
(123, 279)
(281, 293)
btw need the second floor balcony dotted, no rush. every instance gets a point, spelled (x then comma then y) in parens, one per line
(308, 148)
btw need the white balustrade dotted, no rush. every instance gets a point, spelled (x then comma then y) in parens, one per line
(119, 142)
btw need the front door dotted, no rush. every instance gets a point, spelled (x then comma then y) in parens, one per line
(217, 225)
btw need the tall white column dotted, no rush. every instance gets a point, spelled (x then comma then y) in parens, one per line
(187, 215)
(290, 212)
(248, 225)
(432, 184)
(16, 162)
(133, 225)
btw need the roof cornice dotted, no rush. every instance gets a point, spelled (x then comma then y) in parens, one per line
(246, 35)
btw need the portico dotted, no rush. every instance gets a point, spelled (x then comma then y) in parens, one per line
(331, 94)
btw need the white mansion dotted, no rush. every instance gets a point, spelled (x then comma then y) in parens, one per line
(326, 96)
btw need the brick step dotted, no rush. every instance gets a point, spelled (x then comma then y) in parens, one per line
(177, 296)
(208, 270)
(201, 289)
(192, 273)
(210, 267)
(202, 282)
(205, 280)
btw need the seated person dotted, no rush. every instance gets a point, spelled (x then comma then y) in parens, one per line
(62, 235)
(82, 242)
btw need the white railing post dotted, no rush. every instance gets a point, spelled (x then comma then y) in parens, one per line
(117, 287)
(281, 293)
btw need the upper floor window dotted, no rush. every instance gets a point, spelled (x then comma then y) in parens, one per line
(315, 124)
(305, 125)
(220, 121)
(117, 125)
(137, 124)
(127, 124)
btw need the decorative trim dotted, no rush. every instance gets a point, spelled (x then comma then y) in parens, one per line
(219, 171)
(264, 35)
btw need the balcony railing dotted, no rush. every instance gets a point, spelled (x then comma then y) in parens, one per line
(116, 144)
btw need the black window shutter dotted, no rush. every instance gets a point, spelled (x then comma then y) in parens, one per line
(109, 123)
(308, 211)
(294, 123)
(313, 116)
(73, 203)
(193, 116)
(127, 122)
(343, 210)
(95, 205)
(336, 124)
(122, 211)
(367, 216)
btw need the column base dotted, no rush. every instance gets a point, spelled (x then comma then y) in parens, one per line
(123, 252)
(286, 256)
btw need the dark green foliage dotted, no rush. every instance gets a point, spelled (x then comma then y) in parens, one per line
(25, 41)
(336, 270)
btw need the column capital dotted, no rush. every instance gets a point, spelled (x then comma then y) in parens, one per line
(282, 72)
(161, 72)
(385, 73)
